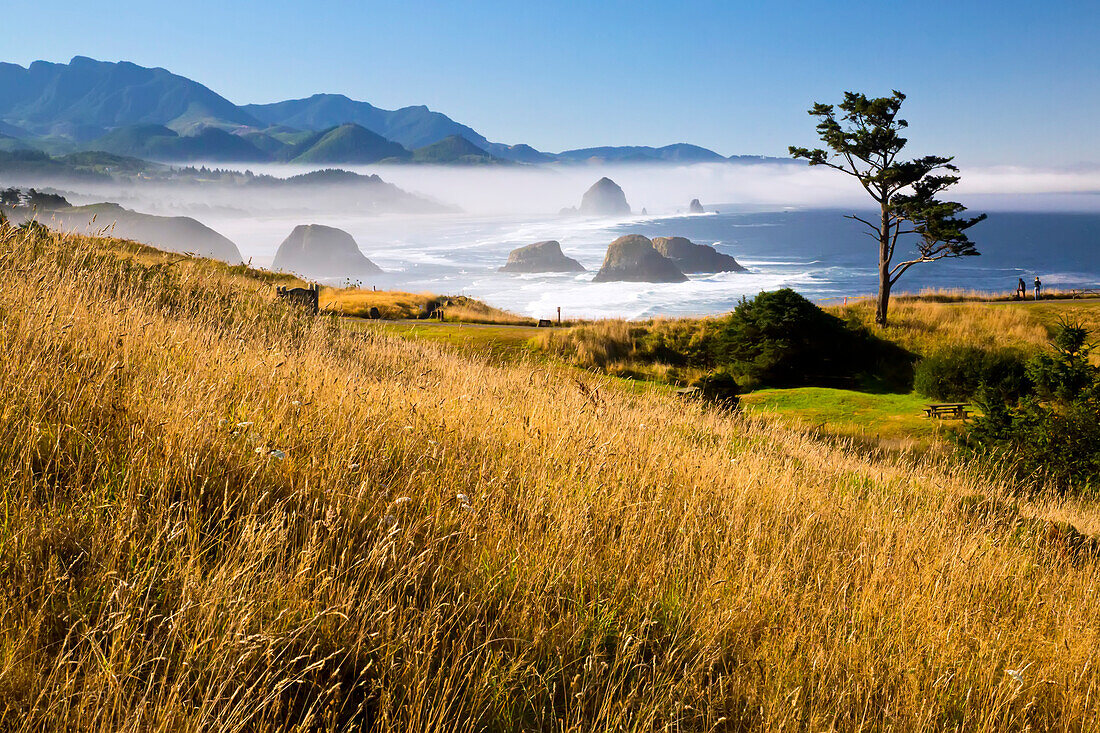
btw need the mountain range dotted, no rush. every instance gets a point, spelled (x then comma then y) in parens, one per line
(151, 113)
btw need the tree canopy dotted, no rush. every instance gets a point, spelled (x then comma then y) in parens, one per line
(863, 139)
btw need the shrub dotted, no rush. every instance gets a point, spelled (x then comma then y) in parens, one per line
(958, 373)
(1067, 372)
(1042, 443)
(1052, 438)
(720, 386)
(780, 339)
(777, 339)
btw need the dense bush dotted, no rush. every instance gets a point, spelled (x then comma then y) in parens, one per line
(780, 339)
(777, 339)
(1066, 373)
(1052, 438)
(720, 386)
(1042, 442)
(960, 372)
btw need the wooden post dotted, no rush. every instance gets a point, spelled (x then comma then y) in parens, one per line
(559, 315)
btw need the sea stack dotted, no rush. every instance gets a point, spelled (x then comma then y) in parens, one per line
(695, 207)
(604, 198)
(319, 252)
(541, 257)
(633, 258)
(691, 257)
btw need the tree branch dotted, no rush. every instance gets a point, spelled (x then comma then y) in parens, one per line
(864, 221)
(842, 169)
(861, 178)
(901, 267)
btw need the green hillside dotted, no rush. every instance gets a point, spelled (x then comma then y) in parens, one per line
(136, 140)
(451, 150)
(26, 162)
(102, 162)
(350, 143)
(156, 142)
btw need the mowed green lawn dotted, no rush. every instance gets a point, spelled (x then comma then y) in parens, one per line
(886, 419)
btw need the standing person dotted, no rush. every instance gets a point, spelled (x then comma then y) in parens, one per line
(1021, 289)
(1038, 288)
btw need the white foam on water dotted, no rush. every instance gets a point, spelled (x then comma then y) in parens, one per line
(456, 254)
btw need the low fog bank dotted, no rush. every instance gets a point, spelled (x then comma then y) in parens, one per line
(664, 189)
(542, 191)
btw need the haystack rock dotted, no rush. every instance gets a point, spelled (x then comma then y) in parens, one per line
(604, 198)
(541, 257)
(691, 257)
(319, 252)
(634, 259)
(695, 207)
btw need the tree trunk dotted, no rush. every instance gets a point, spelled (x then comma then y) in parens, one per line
(883, 295)
(884, 232)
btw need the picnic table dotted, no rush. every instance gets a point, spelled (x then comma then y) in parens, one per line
(948, 410)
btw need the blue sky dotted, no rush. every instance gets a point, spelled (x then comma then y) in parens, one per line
(991, 82)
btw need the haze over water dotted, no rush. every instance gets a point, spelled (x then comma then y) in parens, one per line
(818, 252)
(786, 224)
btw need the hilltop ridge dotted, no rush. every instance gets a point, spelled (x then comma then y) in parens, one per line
(152, 113)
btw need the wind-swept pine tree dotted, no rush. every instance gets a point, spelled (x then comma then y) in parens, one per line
(865, 142)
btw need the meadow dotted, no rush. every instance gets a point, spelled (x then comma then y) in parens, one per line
(926, 324)
(220, 512)
(396, 305)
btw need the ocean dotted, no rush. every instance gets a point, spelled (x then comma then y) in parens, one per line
(817, 252)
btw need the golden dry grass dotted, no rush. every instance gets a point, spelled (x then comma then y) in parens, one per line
(218, 513)
(615, 346)
(395, 305)
(958, 295)
(919, 324)
(924, 326)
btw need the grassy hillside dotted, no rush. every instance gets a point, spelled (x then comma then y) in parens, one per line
(156, 142)
(921, 326)
(452, 150)
(349, 144)
(393, 305)
(221, 513)
(924, 325)
(412, 127)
